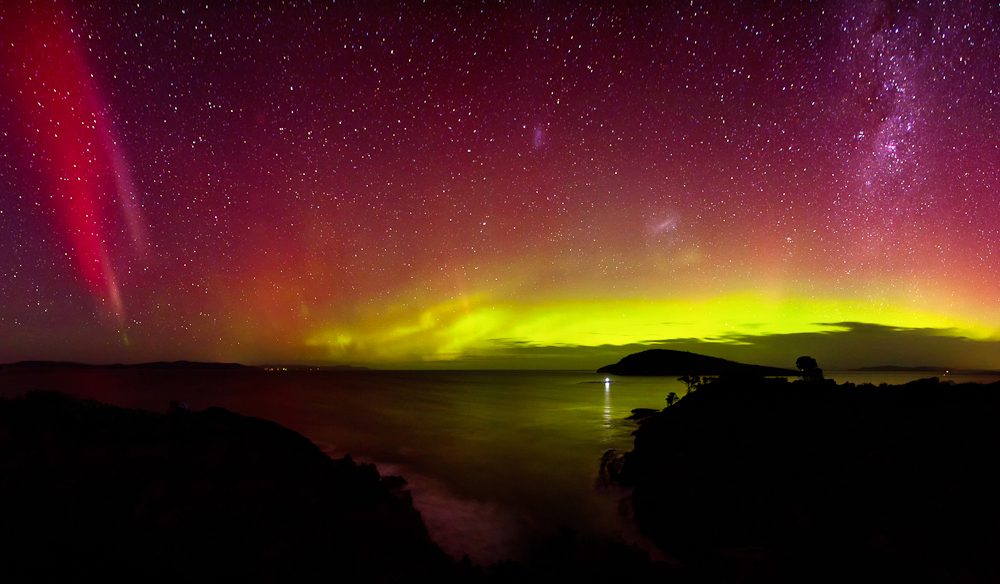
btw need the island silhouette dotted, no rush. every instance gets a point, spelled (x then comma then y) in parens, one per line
(655, 362)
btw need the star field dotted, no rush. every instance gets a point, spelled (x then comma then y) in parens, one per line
(396, 184)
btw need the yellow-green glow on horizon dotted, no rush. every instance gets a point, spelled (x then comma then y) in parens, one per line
(478, 325)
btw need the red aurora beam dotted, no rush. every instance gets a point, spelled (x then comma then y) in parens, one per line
(82, 167)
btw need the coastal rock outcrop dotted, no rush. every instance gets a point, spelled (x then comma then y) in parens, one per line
(765, 480)
(89, 490)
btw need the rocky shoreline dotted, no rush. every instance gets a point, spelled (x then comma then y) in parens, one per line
(92, 490)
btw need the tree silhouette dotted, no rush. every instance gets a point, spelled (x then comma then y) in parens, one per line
(809, 368)
(691, 381)
(805, 363)
(672, 398)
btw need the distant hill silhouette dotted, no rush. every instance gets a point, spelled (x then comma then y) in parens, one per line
(185, 365)
(301, 367)
(34, 365)
(892, 368)
(172, 365)
(669, 362)
(928, 369)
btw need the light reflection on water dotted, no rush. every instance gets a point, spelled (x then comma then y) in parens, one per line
(607, 404)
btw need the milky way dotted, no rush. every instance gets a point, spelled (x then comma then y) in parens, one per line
(477, 184)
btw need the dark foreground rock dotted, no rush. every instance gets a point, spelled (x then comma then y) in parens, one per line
(94, 492)
(676, 363)
(757, 480)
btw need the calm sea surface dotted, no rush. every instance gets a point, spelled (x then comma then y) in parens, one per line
(493, 457)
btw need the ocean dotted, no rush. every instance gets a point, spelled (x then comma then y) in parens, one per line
(495, 459)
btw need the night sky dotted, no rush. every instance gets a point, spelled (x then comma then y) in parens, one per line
(499, 184)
